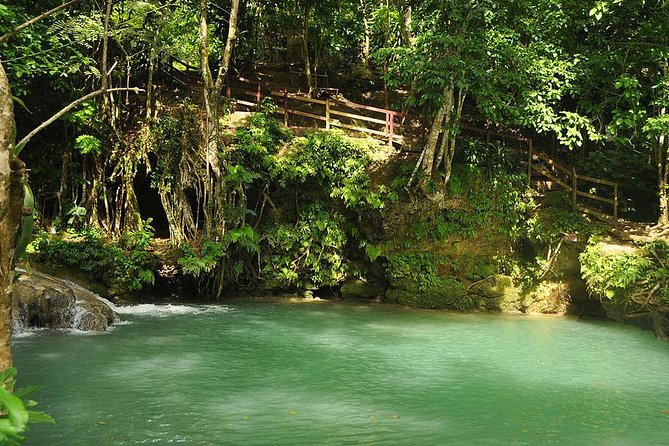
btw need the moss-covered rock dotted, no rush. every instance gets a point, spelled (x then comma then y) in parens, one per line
(447, 294)
(362, 289)
(548, 298)
(631, 281)
(498, 293)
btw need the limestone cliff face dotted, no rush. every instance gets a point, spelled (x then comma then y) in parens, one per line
(40, 300)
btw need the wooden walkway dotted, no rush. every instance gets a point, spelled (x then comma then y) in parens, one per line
(591, 195)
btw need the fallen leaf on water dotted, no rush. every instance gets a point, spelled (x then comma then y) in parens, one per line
(396, 415)
(666, 412)
(293, 413)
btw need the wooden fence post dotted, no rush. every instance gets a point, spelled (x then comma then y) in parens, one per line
(615, 203)
(529, 163)
(285, 107)
(390, 119)
(327, 114)
(574, 189)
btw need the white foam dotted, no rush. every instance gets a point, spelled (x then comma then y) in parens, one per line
(169, 309)
(24, 332)
(77, 332)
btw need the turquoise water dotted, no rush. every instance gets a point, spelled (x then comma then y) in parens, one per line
(265, 373)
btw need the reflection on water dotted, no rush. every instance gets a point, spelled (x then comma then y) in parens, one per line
(276, 373)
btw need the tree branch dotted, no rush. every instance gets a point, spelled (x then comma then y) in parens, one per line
(21, 144)
(6, 36)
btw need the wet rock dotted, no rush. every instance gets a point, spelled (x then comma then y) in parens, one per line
(43, 301)
(362, 289)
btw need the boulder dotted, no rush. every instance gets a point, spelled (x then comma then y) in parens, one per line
(43, 301)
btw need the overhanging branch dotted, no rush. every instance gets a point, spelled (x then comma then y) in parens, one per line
(6, 36)
(21, 144)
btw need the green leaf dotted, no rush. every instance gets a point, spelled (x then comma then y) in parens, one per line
(7, 377)
(21, 103)
(27, 390)
(40, 417)
(372, 251)
(87, 144)
(16, 411)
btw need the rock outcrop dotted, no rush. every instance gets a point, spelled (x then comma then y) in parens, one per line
(43, 301)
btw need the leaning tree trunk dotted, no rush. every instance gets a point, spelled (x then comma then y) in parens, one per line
(11, 199)
(430, 153)
(451, 124)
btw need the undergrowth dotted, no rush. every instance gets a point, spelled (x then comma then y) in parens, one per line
(124, 264)
(636, 280)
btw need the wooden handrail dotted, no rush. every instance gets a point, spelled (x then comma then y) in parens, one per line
(390, 127)
(185, 64)
(597, 180)
(570, 185)
(388, 132)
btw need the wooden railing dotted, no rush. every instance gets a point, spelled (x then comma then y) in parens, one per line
(332, 111)
(562, 175)
(377, 122)
(571, 181)
(250, 89)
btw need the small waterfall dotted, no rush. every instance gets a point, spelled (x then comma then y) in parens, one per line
(43, 301)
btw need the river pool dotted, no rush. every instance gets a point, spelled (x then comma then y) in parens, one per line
(267, 373)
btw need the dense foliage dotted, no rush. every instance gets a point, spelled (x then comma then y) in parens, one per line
(124, 264)
(636, 280)
(248, 205)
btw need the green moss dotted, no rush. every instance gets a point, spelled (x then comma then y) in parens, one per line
(447, 293)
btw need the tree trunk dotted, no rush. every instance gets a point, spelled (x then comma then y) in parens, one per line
(450, 137)
(149, 86)
(11, 202)
(64, 175)
(367, 34)
(430, 150)
(663, 179)
(305, 48)
(405, 25)
(106, 100)
(213, 206)
(663, 166)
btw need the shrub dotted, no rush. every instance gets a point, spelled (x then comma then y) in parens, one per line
(124, 264)
(636, 278)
